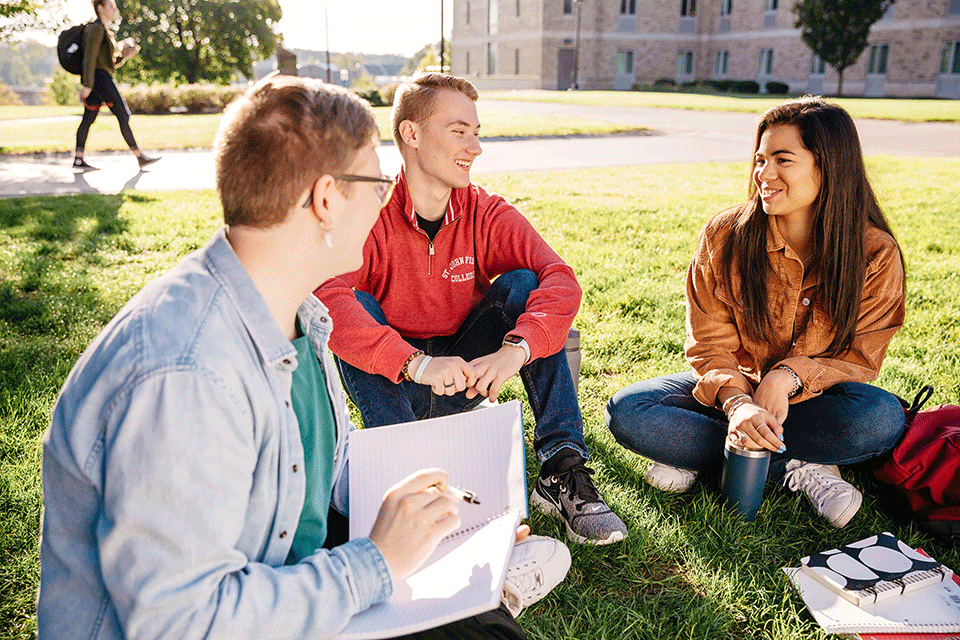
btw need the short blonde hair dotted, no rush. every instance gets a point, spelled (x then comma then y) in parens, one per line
(278, 138)
(414, 100)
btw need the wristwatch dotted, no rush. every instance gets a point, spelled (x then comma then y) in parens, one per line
(518, 341)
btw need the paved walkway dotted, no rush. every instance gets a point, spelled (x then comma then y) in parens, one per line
(679, 136)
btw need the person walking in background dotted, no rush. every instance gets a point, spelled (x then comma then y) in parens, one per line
(101, 56)
(792, 299)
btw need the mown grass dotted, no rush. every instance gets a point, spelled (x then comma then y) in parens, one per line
(690, 569)
(186, 131)
(904, 109)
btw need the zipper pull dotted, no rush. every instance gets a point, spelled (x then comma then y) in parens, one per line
(430, 254)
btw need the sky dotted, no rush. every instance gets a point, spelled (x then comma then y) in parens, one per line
(362, 26)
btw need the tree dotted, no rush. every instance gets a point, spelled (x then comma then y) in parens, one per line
(198, 40)
(428, 56)
(837, 30)
(17, 16)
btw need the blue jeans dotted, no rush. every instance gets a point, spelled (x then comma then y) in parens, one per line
(661, 420)
(547, 380)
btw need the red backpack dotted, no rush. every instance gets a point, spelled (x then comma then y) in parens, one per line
(925, 466)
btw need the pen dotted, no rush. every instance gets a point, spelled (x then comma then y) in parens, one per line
(460, 494)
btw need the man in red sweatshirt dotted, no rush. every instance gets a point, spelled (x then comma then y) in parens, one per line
(458, 293)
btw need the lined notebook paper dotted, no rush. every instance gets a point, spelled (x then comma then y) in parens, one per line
(482, 451)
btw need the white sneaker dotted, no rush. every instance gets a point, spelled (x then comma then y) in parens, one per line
(833, 497)
(537, 565)
(667, 478)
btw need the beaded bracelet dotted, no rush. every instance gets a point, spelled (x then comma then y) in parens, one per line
(406, 365)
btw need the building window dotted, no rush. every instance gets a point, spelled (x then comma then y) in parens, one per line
(492, 15)
(684, 63)
(817, 65)
(688, 8)
(720, 67)
(950, 59)
(518, 8)
(516, 62)
(878, 59)
(726, 7)
(770, 5)
(954, 7)
(467, 70)
(567, 7)
(766, 62)
(628, 7)
(491, 59)
(467, 3)
(624, 62)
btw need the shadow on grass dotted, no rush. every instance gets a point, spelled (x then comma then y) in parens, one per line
(49, 310)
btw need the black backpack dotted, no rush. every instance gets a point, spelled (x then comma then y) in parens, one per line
(70, 49)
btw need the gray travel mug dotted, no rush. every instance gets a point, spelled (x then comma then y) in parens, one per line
(744, 474)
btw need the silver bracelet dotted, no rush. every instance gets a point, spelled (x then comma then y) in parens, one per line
(731, 399)
(797, 382)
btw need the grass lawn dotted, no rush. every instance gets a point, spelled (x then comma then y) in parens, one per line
(690, 569)
(183, 131)
(883, 108)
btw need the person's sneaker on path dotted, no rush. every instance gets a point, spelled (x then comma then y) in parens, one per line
(565, 488)
(80, 163)
(833, 497)
(538, 564)
(667, 478)
(144, 160)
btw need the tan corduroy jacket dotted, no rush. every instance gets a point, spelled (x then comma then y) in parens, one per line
(801, 331)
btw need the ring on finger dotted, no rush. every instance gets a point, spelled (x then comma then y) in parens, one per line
(449, 385)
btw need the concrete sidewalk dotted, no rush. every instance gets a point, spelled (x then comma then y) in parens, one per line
(680, 136)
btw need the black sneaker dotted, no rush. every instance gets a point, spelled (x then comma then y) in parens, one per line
(570, 493)
(80, 163)
(145, 160)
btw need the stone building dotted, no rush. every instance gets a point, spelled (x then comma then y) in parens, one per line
(914, 50)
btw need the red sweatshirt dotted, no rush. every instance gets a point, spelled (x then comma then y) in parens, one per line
(428, 288)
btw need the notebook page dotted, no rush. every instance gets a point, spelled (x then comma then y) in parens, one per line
(463, 578)
(482, 451)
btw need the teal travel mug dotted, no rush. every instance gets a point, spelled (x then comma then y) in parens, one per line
(744, 475)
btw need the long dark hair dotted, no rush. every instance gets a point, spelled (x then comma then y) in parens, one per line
(843, 209)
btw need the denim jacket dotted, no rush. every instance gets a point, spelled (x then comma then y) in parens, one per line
(173, 474)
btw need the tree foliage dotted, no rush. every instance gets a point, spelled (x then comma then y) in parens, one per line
(198, 40)
(17, 16)
(837, 30)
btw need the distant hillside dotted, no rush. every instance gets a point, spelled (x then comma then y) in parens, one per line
(27, 63)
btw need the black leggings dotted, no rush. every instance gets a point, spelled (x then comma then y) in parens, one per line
(105, 92)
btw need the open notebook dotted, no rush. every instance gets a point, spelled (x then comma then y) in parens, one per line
(481, 451)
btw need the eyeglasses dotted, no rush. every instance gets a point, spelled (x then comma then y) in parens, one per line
(385, 185)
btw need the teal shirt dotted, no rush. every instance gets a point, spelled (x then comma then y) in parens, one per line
(318, 431)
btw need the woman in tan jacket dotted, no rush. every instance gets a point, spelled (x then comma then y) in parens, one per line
(792, 299)
(101, 56)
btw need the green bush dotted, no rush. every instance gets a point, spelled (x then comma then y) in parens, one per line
(8, 98)
(187, 98)
(372, 96)
(744, 86)
(387, 92)
(63, 87)
(777, 88)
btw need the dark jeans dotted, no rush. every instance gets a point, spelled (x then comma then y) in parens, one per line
(547, 380)
(492, 625)
(105, 91)
(661, 420)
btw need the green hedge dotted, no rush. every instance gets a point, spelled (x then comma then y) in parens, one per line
(185, 98)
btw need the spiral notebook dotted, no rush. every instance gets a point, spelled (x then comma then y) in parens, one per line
(935, 609)
(874, 569)
(482, 451)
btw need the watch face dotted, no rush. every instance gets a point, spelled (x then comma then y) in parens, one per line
(513, 339)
